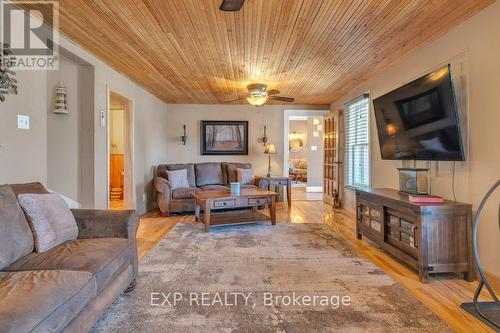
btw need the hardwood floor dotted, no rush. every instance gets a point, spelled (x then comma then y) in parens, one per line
(300, 194)
(116, 204)
(443, 295)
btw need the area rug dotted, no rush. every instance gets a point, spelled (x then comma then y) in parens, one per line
(263, 278)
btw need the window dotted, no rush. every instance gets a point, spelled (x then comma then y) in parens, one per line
(357, 142)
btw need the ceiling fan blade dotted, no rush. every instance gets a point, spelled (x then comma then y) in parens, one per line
(235, 100)
(273, 92)
(282, 99)
(231, 5)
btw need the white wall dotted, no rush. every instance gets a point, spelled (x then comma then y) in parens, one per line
(315, 157)
(474, 46)
(63, 158)
(116, 134)
(150, 121)
(23, 153)
(191, 114)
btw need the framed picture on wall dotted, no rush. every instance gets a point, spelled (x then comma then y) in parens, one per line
(224, 137)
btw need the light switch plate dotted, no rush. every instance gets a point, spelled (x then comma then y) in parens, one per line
(23, 122)
(314, 147)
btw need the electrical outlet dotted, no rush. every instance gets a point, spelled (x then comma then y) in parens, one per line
(23, 122)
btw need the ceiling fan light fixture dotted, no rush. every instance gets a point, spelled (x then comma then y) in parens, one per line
(257, 99)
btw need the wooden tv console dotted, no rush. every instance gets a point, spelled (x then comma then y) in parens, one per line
(432, 238)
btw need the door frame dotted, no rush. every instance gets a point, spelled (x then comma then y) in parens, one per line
(129, 195)
(290, 113)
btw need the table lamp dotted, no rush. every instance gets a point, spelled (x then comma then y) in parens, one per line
(270, 150)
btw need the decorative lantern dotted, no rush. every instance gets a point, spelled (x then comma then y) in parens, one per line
(61, 105)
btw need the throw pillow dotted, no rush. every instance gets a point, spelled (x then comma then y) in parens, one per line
(50, 219)
(245, 176)
(178, 178)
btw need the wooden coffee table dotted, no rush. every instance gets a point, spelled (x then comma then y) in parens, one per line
(213, 201)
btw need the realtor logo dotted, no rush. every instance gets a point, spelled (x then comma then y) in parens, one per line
(33, 44)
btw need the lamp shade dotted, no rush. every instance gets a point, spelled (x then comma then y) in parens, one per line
(270, 149)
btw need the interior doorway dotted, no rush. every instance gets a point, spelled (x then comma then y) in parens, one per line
(304, 150)
(120, 154)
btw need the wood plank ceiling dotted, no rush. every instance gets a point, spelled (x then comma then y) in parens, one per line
(314, 50)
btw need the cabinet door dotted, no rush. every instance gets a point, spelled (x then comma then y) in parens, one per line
(369, 220)
(401, 231)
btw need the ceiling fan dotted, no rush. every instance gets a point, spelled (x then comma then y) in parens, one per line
(231, 5)
(258, 95)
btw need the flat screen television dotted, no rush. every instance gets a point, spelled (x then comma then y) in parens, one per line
(419, 121)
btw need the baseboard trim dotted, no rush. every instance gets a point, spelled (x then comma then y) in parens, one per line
(314, 189)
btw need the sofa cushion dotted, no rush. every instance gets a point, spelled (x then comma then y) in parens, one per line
(161, 171)
(245, 176)
(214, 188)
(209, 173)
(184, 193)
(16, 239)
(230, 171)
(103, 257)
(50, 219)
(43, 301)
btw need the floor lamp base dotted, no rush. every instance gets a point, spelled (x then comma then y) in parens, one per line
(490, 309)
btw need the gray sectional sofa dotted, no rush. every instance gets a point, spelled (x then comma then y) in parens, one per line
(67, 288)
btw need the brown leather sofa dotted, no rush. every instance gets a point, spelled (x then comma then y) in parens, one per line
(67, 288)
(201, 177)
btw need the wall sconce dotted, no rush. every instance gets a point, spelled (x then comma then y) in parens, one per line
(265, 137)
(184, 137)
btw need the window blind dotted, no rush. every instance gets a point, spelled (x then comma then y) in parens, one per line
(357, 142)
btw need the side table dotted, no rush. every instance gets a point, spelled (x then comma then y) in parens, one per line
(282, 181)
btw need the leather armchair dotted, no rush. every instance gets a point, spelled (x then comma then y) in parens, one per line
(163, 194)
